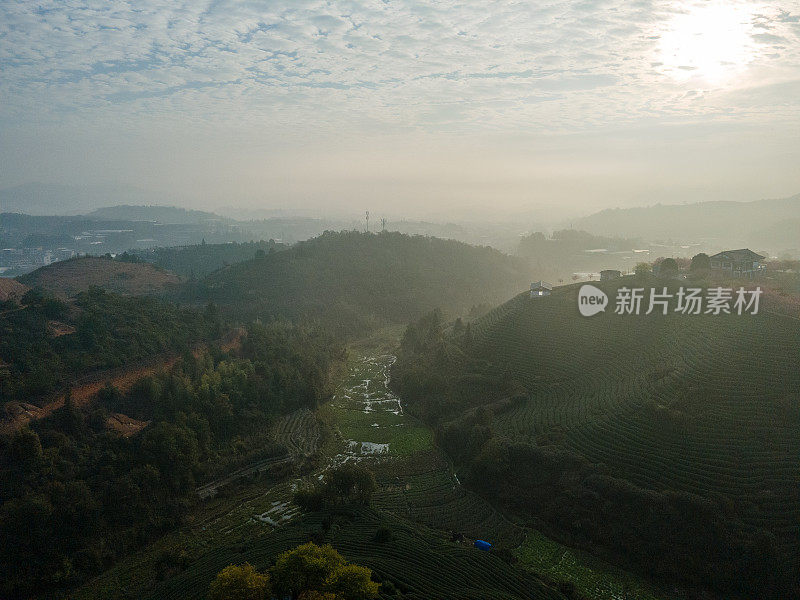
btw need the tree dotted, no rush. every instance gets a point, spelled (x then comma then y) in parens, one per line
(26, 451)
(315, 595)
(353, 582)
(309, 498)
(240, 583)
(304, 569)
(321, 573)
(668, 267)
(350, 483)
(643, 269)
(700, 262)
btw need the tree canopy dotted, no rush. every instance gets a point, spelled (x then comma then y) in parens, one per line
(308, 572)
(239, 583)
(700, 262)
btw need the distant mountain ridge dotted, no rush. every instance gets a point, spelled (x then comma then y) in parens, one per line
(761, 222)
(155, 213)
(55, 199)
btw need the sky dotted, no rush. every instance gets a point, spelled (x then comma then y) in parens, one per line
(444, 109)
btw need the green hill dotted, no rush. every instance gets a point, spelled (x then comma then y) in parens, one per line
(670, 443)
(353, 280)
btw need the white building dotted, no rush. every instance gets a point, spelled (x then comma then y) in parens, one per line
(540, 288)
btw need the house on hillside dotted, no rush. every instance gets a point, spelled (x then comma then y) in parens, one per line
(609, 274)
(738, 263)
(540, 288)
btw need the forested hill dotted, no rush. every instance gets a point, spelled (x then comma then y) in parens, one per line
(670, 443)
(353, 280)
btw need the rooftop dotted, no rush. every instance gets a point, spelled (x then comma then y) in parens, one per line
(743, 254)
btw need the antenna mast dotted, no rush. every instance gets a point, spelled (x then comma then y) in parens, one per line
(367, 221)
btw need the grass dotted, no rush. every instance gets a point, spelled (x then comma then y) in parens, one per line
(364, 409)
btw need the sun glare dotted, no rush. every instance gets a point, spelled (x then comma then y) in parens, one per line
(709, 42)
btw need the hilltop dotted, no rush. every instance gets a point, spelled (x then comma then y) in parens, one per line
(67, 278)
(670, 444)
(353, 280)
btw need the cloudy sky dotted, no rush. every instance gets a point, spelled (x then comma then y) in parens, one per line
(403, 107)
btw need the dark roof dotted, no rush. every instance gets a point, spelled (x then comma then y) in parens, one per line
(538, 285)
(610, 271)
(743, 254)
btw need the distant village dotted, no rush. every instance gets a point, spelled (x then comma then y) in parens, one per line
(741, 263)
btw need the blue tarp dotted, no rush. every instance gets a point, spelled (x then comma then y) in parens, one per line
(481, 545)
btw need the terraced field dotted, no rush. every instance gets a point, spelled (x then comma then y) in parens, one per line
(415, 480)
(420, 563)
(419, 499)
(298, 432)
(702, 404)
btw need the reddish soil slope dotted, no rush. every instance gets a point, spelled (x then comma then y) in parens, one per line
(70, 277)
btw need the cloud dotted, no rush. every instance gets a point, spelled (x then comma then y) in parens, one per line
(102, 59)
(334, 73)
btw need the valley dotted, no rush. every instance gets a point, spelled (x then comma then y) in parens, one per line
(602, 457)
(433, 519)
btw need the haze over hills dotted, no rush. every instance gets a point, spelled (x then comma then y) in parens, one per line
(57, 199)
(161, 214)
(283, 314)
(662, 445)
(352, 279)
(771, 223)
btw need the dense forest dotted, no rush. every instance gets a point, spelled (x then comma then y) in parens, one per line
(353, 281)
(47, 344)
(76, 497)
(525, 426)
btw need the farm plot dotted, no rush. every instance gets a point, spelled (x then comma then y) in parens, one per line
(370, 418)
(415, 481)
(702, 404)
(416, 561)
(419, 500)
